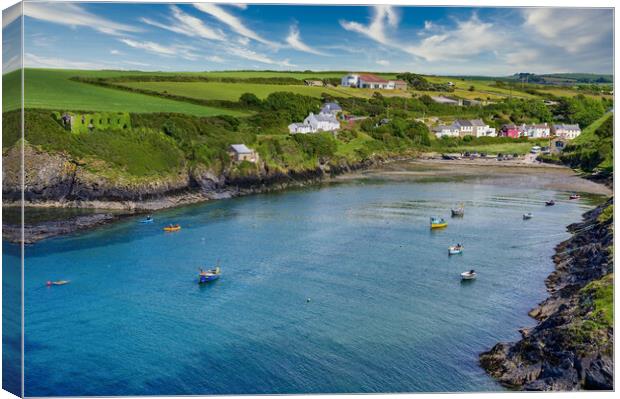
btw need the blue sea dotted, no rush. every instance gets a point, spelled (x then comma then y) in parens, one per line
(332, 289)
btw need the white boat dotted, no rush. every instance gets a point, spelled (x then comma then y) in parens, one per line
(455, 249)
(527, 216)
(470, 275)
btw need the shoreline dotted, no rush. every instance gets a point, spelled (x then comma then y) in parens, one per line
(423, 167)
(563, 351)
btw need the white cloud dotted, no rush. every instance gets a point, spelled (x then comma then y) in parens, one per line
(73, 15)
(35, 61)
(571, 29)
(383, 62)
(187, 25)
(294, 40)
(232, 21)
(254, 56)
(382, 15)
(468, 39)
(214, 58)
(115, 52)
(168, 51)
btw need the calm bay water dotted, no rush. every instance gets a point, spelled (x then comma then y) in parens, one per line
(387, 311)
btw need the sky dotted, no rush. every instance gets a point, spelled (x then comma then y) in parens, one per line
(383, 38)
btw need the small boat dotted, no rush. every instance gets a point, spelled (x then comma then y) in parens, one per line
(438, 223)
(455, 249)
(458, 212)
(575, 197)
(470, 275)
(206, 276)
(149, 219)
(58, 282)
(550, 203)
(527, 216)
(172, 227)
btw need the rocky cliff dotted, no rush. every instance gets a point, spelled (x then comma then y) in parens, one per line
(571, 348)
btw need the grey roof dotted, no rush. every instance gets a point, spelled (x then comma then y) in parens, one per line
(240, 149)
(477, 122)
(567, 126)
(331, 107)
(323, 117)
(463, 122)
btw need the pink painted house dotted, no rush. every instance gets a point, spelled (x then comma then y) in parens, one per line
(510, 130)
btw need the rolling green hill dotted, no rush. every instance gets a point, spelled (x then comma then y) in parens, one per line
(52, 89)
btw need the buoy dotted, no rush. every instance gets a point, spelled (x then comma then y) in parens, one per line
(307, 299)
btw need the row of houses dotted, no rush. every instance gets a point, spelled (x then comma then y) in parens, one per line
(465, 127)
(325, 121)
(541, 130)
(369, 81)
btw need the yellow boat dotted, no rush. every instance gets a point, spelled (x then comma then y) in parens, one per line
(175, 227)
(437, 223)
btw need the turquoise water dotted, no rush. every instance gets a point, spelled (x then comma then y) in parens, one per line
(387, 311)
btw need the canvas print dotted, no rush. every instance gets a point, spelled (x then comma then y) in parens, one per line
(219, 198)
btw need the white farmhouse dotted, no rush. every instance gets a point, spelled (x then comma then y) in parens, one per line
(447, 131)
(322, 122)
(567, 132)
(297, 127)
(350, 80)
(325, 122)
(537, 131)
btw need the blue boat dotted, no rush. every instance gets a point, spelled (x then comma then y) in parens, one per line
(206, 276)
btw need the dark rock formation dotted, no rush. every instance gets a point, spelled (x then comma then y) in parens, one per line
(570, 348)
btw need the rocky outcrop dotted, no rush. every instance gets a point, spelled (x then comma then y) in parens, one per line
(60, 178)
(572, 346)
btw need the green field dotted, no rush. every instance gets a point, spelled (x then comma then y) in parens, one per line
(52, 89)
(232, 91)
(588, 132)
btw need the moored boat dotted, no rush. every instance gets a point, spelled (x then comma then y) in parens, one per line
(455, 249)
(172, 227)
(574, 196)
(527, 216)
(458, 212)
(205, 276)
(438, 223)
(550, 203)
(469, 275)
(58, 282)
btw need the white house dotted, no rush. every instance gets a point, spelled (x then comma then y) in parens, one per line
(481, 129)
(537, 131)
(323, 122)
(297, 127)
(369, 81)
(474, 127)
(567, 132)
(350, 80)
(447, 131)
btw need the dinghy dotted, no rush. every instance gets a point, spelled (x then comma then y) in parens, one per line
(470, 275)
(438, 223)
(527, 216)
(206, 276)
(172, 227)
(455, 249)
